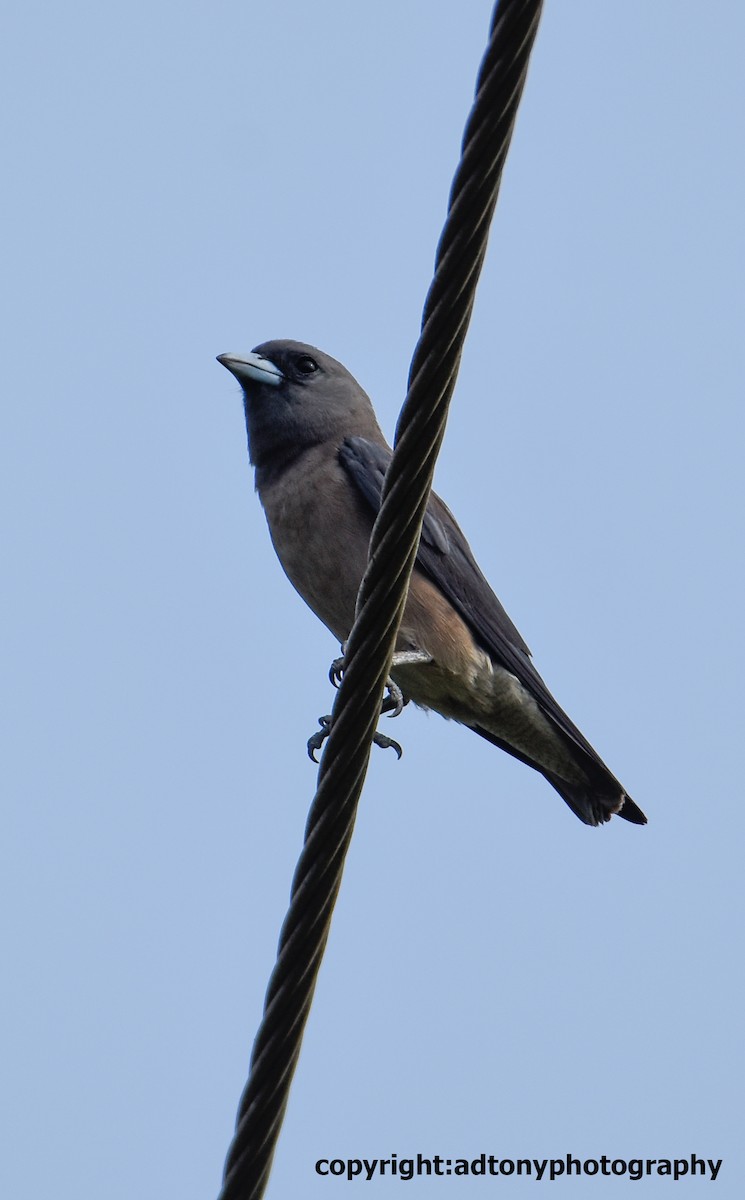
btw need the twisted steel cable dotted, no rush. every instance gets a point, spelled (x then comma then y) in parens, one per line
(393, 548)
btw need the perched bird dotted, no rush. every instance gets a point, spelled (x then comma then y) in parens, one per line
(320, 458)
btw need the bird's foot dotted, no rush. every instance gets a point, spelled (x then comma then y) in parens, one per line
(316, 740)
(393, 704)
(395, 700)
(387, 743)
(336, 670)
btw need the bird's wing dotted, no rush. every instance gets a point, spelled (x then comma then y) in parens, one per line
(445, 556)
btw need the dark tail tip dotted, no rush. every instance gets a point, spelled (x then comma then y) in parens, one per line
(631, 812)
(594, 807)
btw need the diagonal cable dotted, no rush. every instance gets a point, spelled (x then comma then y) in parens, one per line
(393, 548)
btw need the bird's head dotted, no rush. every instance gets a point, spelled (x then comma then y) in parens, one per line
(295, 397)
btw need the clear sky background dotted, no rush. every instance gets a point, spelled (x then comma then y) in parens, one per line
(183, 180)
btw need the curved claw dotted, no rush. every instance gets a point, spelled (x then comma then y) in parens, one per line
(336, 670)
(316, 740)
(387, 743)
(394, 701)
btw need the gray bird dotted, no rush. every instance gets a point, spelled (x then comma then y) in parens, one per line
(320, 458)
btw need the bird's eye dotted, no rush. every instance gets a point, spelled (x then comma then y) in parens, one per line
(306, 365)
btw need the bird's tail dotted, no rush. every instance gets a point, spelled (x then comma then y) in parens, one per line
(594, 802)
(594, 807)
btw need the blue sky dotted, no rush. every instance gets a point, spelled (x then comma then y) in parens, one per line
(185, 180)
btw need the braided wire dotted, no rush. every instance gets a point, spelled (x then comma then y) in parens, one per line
(393, 548)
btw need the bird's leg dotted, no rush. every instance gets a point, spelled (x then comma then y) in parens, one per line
(393, 703)
(411, 658)
(395, 700)
(403, 658)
